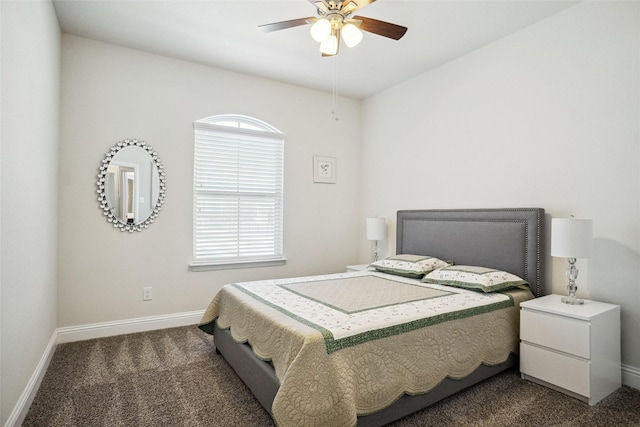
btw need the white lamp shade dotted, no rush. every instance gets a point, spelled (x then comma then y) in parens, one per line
(376, 228)
(571, 238)
(320, 30)
(351, 35)
(330, 45)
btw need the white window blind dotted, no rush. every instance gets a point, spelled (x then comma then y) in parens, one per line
(238, 189)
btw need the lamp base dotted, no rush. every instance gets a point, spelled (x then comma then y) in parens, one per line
(375, 251)
(572, 275)
(572, 299)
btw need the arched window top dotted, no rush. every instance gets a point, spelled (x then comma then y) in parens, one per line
(238, 121)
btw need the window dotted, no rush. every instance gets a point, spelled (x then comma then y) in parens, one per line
(238, 189)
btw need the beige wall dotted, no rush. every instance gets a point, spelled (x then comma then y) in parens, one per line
(547, 117)
(29, 167)
(111, 93)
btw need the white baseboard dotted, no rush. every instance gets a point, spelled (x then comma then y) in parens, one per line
(631, 376)
(127, 326)
(24, 402)
(87, 332)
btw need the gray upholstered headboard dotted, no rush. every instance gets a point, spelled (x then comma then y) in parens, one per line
(504, 239)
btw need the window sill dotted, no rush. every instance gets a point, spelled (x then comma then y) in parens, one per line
(196, 267)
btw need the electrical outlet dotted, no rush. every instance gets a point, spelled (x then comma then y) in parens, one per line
(147, 293)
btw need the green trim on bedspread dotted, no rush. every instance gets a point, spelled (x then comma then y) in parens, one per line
(333, 344)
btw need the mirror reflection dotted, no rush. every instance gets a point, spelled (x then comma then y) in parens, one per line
(131, 185)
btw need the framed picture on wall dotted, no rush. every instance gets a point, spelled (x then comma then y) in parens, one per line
(324, 169)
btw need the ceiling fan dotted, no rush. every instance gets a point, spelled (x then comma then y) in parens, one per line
(334, 20)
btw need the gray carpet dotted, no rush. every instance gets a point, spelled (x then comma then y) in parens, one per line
(173, 377)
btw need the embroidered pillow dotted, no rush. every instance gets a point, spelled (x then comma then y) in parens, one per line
(408, 265)
(474, 278)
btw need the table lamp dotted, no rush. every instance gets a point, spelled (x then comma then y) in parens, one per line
(376, 230)
(571, 238)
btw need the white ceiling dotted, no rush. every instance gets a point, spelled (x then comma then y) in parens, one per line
(224, 34)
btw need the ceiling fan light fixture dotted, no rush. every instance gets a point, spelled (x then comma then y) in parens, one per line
(351, 35)
(321, 30)
(330, 45)
(333, 19)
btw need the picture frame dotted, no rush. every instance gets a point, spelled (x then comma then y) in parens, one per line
(324, 169)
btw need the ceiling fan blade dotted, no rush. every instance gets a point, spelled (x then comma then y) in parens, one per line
(381, 28)
(285, 24)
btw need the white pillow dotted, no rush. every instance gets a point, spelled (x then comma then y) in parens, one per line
(474, 278)
(408, 265)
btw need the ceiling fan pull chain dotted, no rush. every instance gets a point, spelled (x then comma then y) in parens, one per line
(335, 88)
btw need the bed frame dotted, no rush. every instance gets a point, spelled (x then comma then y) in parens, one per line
(505, 239)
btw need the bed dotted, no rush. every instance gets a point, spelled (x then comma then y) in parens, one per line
(306, 372)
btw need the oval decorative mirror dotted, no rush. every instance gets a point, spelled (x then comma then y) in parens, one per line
(131, 185)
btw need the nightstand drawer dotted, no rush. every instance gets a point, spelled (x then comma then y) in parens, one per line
(560, 333)
(556, 368)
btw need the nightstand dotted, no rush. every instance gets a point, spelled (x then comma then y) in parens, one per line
(574, 349)
(359, 267)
